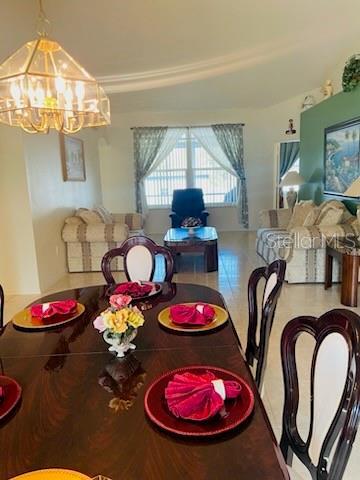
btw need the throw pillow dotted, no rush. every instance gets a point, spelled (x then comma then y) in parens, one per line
(89, 216)
(330, 216)
(300, 212)
(104, 214)
(311, 218)
(74, 221)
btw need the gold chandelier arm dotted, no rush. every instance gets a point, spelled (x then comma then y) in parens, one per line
(71, 128)
(43, 23)
(27, 126)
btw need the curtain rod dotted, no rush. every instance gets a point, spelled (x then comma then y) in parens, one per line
(189, 126)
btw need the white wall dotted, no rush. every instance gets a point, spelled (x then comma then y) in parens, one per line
(18, 267)
(52, 199)
(263, 128)
(34, 201)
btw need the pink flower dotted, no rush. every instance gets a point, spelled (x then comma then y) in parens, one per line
(120, 301)
(99, 324)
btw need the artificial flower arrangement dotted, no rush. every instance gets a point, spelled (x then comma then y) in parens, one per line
(119, 324)
(191, 222)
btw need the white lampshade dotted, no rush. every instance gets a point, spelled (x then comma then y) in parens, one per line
(292, 179)
(354, 189)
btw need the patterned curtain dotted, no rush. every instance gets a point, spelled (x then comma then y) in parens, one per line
(152, 146)
(147, 142)
(230, 138)
(289, 152)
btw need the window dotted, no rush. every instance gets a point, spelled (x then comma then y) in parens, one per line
(295, 167)
(189, 165)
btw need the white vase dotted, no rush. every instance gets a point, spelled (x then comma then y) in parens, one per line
(120, 344)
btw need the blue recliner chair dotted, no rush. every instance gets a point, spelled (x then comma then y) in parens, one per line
(188, 203)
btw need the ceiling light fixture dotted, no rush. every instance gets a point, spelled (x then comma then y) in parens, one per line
(43, 87)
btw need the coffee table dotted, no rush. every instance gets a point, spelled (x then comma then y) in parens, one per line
(347, 251)
(204, 241)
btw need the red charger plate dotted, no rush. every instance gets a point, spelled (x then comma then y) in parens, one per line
(237, 411)
(12, 395)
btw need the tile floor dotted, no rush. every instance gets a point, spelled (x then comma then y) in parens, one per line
(237, 260)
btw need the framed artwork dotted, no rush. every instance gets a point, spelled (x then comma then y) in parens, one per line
(342, 156)
(72, 158)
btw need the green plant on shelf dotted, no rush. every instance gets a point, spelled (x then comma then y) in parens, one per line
(351, 75)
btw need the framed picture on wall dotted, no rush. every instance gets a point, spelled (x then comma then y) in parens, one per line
(72, 158)
(342, 156)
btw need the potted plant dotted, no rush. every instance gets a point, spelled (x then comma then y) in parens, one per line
(351, 75)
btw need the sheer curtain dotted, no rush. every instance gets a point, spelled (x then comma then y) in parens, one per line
(225, 144)
(151, 146)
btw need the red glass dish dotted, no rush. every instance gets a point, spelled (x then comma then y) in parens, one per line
(235, 412)
(12, 395)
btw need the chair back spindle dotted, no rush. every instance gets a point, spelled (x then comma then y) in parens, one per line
(334, 392)
(259, 331)
(139, 255)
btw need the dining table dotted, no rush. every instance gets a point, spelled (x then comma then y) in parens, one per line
(82, 408)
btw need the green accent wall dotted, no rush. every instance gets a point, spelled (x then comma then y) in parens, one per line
(336, 109)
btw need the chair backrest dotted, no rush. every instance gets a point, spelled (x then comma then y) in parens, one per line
(139, 260)
(334, 392)
(188, 202)
(1, 307)
(256, 349)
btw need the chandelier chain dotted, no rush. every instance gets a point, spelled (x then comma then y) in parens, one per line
(43, 23)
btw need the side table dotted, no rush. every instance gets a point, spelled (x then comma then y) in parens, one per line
(347, 251)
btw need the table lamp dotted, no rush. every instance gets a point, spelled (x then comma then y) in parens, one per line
(354, 189)
(291, 180)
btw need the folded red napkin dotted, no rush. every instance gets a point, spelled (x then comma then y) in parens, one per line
(198, 314)
(198, 397)
(47, 310)
(134, 289)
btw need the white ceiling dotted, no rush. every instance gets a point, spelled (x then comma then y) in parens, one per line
(184, 54)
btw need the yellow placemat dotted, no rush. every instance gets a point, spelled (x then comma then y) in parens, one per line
(221, 316)
(52, 474)
(23, 319)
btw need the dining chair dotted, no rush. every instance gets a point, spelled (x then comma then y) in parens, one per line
(334, 393)
(259, 332)
(1, 307)
(139, 254)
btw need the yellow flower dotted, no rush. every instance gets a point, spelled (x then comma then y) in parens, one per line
(108, 318)
(116, 321)
(135, 318)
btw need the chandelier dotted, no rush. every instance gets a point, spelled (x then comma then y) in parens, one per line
(43, 87)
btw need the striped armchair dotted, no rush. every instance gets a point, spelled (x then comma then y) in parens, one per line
(88, 238)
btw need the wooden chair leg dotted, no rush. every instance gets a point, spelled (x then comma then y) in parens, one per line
(328, 271)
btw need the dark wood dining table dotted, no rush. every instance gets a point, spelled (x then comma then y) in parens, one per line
(83, 409)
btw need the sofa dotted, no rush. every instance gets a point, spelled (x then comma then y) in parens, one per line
(302, 242)
(89, 234)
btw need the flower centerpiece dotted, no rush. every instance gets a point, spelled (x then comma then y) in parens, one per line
(119, 324)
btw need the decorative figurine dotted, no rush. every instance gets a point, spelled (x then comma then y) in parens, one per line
(291, 130)
(308, 102)
(327, 89)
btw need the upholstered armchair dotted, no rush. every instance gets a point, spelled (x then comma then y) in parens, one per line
(187, 203)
